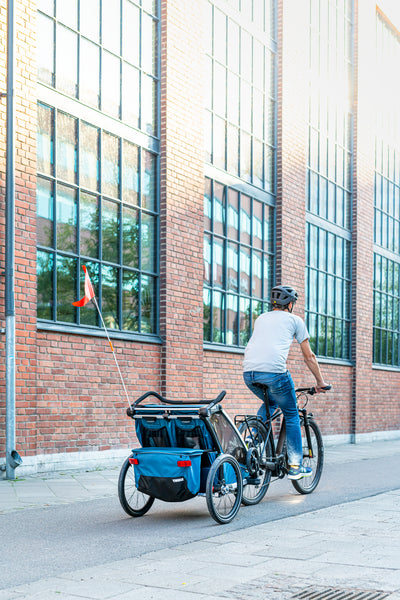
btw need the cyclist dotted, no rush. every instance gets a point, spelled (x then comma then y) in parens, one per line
(265, 362)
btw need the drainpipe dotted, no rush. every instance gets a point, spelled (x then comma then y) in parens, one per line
(12, 457)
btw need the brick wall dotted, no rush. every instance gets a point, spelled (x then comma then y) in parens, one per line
(69, 396)
(182, 189)
(25, 215)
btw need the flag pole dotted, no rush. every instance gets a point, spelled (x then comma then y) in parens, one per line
(112, 349)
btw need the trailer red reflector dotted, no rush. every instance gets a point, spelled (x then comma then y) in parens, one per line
(184, 463)
(133, 461)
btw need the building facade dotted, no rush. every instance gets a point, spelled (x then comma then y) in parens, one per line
(191, 155)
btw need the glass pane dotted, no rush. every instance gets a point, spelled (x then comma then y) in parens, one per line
(257, 309)
(130, 301)
(233, 150)
(233, 215)
(110, 166)
(312, 330)
(67, 70)
(257, 275)
(232, 267)
(45, 202)
(67, 13)
(218, 319)
(245, 105)
(207, 259)
(245, 271)
(258, 64)
(110, 230)
(130, 95)
(321, 336)
(44, 268)
(219, 36)
(149, 181)
(89, 315)
(330, 336)
(149, 44)
(130, 173)
(130, 237)
(111, 21)
(89, 73)
(246, 55)
(89, 157)
(219, 85)
(131, 33)
(219, 137)
(148, 305)
(66, 211)
(258, 163)
(207, 205)
(244, 321)
(109, 290)
(148, 239)
(207, 315)
(245, 156)
(208, 119)
(219, 208)
(149, 105)
(268, 228)
(45, 49)
(66, 147)
(89, 225)
(90, 19)
(46, 6)
(218, 262)
(233, 98)
(45, 140)
(330, 292)
(245, 219)
(269, 156)
(66, 285)
(257, 224)
(150, 6)
(268, 270)
(110, 84)
(231, 320)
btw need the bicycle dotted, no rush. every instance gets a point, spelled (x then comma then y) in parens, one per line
(267, 458)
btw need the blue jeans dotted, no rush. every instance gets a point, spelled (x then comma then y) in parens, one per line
(280, 393)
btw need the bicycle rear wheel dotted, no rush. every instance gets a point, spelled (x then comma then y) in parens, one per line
(134, 503)
(313, 457)
(255, 434)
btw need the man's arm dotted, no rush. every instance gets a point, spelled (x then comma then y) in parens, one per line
(311, 361)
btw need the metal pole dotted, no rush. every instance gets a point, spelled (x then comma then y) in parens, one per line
(10, 248)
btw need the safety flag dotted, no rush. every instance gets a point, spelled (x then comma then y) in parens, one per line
(89, 291)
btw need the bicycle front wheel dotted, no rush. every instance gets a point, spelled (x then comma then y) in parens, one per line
(134, 503)
(313, 457)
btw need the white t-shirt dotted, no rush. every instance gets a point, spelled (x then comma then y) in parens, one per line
(273, 334)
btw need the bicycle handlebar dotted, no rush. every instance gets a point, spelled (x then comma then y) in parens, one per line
(312, 390)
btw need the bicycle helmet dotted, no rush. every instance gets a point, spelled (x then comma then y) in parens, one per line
(282, 295)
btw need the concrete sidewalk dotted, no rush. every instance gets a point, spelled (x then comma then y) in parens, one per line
(346, 551)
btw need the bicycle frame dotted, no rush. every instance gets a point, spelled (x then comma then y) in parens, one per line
(278, 464)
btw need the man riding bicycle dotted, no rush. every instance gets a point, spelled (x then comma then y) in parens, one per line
(265, 363)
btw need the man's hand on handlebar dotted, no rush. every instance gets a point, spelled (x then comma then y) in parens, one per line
(324, 387)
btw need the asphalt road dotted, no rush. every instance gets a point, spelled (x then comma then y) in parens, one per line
(39, 543)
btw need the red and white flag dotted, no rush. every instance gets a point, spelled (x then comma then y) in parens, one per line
(89, 291)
